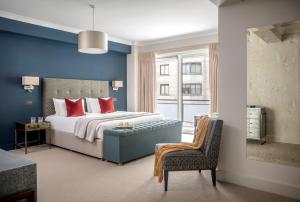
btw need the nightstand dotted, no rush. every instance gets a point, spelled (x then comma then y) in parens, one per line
(26, 128)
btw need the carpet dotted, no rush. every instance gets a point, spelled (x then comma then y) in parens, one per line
(65, 176)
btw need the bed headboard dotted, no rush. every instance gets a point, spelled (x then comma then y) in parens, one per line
(70, 88)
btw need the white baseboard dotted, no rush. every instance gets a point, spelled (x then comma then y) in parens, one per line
(261, 184)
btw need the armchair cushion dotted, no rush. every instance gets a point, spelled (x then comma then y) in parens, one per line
(186, 160)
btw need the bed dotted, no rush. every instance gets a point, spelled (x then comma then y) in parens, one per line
(63, 129)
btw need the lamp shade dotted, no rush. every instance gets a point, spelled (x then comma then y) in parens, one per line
(30, 81)
(117, 84)
(92, 42)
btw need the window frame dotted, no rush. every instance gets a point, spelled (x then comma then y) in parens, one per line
(163, 87)
(187, 68)
(192, 87)
(164, 67)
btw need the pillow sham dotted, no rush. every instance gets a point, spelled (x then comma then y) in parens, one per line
(93, 105)
(106, 105)
(60, 106)
(74, 108)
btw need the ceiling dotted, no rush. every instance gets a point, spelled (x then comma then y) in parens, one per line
(277, 32)
(128, 20)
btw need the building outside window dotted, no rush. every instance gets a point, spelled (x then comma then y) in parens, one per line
(184, 92)
(192, 89)
(192, 68)
(164, 69)
(164, 89)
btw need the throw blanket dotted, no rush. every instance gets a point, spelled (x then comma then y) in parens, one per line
(86, 128)
(201, 131)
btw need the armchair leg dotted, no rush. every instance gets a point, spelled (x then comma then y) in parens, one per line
(199, 170)
(213, 176)
(166, 179)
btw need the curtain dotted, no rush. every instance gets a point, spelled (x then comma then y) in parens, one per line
(147, 82)
(213, 75)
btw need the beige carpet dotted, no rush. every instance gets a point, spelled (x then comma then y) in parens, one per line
(68, 176)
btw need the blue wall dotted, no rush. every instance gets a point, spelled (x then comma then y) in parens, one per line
(37, 56)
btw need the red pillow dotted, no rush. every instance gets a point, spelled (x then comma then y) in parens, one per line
(106, 105)
(74, 108)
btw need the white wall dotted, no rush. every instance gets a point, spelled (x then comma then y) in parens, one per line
(233, 165)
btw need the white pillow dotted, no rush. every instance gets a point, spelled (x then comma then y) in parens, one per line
(93, 105)
(60, 106)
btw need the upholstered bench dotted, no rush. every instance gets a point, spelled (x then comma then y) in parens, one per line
(123, 145)
(17, 178)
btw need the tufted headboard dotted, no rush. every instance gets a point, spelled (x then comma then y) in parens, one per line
(70, 88)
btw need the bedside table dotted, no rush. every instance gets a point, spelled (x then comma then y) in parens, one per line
(26, 128)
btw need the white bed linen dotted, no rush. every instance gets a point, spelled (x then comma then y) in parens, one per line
(67, 124)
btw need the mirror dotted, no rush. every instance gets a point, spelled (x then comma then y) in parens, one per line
(273, 93)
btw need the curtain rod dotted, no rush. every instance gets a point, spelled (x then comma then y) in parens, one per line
(181, 49)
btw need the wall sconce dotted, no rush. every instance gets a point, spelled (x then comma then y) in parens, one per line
(29, 82)
(117, 84)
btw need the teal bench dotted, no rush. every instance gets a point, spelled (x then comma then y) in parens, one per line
(123, 145)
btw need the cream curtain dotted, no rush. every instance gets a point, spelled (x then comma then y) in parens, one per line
(213, 75)
(147, 82)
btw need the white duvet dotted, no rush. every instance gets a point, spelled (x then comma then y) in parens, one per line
(67, 124)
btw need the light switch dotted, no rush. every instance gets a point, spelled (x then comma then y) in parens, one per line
(28, 102)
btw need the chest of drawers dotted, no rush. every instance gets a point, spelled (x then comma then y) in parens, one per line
(256, 124)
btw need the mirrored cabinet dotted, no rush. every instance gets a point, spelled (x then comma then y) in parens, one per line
(256, 124)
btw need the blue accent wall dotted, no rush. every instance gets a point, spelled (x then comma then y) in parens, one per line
(52, 34)
(22, 54)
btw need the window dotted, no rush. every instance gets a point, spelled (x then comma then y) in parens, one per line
(184, 92)
(192, 68)
(164, 89)
(192, 89)
(164, 69)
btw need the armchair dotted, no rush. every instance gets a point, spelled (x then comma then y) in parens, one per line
(205, 158)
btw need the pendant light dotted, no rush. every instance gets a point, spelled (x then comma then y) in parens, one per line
(91, 41)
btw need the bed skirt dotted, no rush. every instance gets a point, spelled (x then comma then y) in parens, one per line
(69, 141)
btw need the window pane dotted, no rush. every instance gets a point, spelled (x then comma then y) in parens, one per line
(193, 68)
(167, 97)
(193, 90)
(198, 70)
(188, 68)
(164, 69)
(198, 90)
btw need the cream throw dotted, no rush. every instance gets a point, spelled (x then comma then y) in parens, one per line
(201, 131)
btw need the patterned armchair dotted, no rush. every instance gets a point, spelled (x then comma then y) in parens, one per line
(206, 158)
